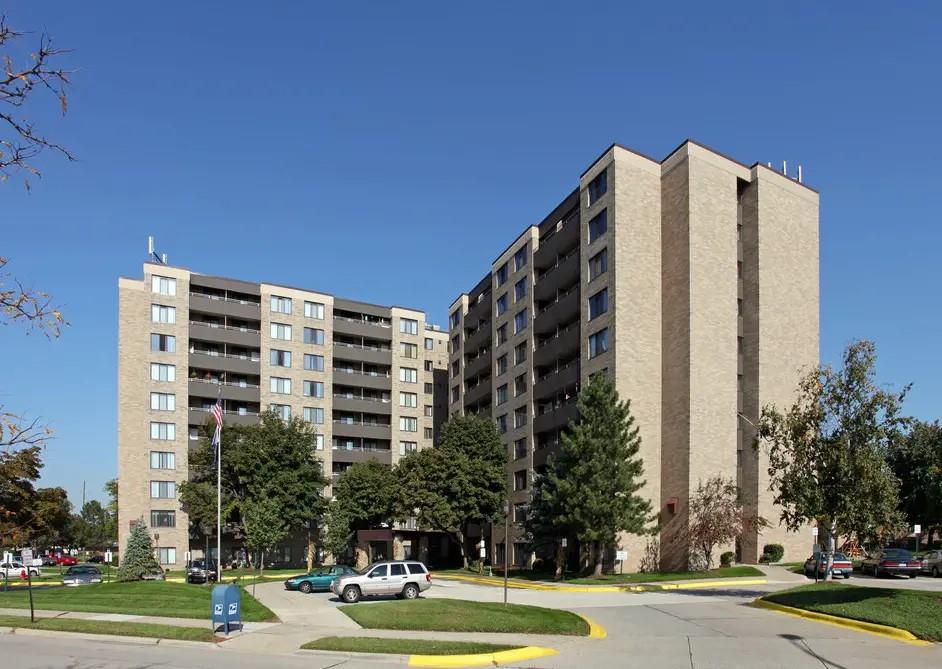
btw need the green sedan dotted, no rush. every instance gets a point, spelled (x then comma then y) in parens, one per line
(319, 579)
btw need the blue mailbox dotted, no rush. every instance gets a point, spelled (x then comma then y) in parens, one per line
(227, 606)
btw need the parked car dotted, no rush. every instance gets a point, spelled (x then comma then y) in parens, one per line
(932, 563)
(96, 559)
(891, 561)
(201, 571)
(49, 561)
(840, 566)
(66, 560)
(319, 579)
(81, 575)
(403, 578)
(15, 569)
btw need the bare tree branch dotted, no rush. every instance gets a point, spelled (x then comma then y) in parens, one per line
(17, 431)
(25, 304)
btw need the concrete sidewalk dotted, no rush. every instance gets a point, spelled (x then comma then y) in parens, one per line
(127, 618)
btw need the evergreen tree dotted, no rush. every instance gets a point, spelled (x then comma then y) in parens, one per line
(591, 487)
(138, 559)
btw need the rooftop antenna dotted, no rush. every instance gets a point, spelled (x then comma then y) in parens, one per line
(799, 174)
(769, 164)
(161, 258)
(785, 167)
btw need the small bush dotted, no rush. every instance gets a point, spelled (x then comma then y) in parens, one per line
(651, 559)
(726, 559)
(538, 564)
(772, 553)
(475, 566)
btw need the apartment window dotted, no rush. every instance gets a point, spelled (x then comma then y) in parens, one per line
(500, 276)
(313, 363)
(454, 320)
(318, 442)
(428, 366)
(520, 417)
(314, 310)
(598, 225)
(520, 353)
(429, 389)
(280, 385)
(167, 555)
(598, 264)
(501, 305)
(520, 385)
(502, 334)
(281, 305)
(283, 411)
(520, 321)
(161, 343)
(520, 289)
(161, 314)
(427, 432)
(163, 431)
(520, 516)
(163, 519)
(163, 401)
(598, 303)
(313, 336)
(160, 372)
(408, 350)
(429, 410)
(313, 415)
(598, 342)
(502, 424)
(598, 186)
(455, 394)
(313, 388)
(163, 460)
(408, 400)
(281, 358)
(408, 375)
(163, 489)
(455, 368)
(407, 424)
(163, 285)
(455, 345)
(520, 448)
(407, 447)
(520, 479)
(501, 396)
(501, 365)
(194, 433)
(520, 259)
(281, 331)
(408, 326)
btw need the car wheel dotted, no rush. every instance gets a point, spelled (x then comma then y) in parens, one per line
(411, 591)
(846, 576)
(305, 587)
(935, 571)
(913, 575)
(351, 594)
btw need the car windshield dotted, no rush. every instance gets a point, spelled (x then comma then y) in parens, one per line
(841, 557)
(898, 553)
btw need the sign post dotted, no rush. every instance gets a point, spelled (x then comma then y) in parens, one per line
(917, 530)
(816, 552)
(26, 557)
(621, 556)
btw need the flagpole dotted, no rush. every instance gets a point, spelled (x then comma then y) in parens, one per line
(219, 509)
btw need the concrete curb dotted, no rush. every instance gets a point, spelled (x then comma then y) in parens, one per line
(116, 638)
(627, 587)
(481, 659)
(884, 631)
(596, 631)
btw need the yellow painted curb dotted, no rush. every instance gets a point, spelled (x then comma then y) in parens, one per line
(858, 625)
(596, 631)
(481, 659)
(626, 587)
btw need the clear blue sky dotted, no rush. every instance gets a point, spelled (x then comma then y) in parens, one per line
(264, 140)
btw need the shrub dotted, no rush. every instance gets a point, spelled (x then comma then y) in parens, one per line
(138, 559)
(726, 559)
(772, 553)
(651, 560)
(475, 566)
(538, 564)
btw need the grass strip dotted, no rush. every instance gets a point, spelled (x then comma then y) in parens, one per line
(456, 615)
(145, 598)
(367, 644)
(917, 611)
(109, 627)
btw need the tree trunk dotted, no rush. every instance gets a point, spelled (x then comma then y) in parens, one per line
(560, 560)
(832, 534)
(599, 554)
(261, 563)
(310, 551)
(459, 539)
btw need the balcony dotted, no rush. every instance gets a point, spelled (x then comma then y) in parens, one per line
(359, 327)
(556, 381)
(564, 272)
(225, 306)
(562, 309)
(480, 310)
(225, 362)
(478, 338)
(361, 454)
(558, 244)
(564, 344)
(542, 455)
(373, 380)
(198, 416)
(239, 392)
(361, 353)
(361, 430)
(480, 364)
(477, 393)
(228, 334)
(362, 405)
(556, 419)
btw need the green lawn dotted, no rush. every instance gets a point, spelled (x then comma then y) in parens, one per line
(366, 644)
(918, 611)
(109, 627)
(607, 579)
(147, 598)
(456, 615)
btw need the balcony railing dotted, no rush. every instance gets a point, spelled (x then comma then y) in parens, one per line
(226, 327)
(234, 384)
(254, 357)
(382, 349)
(221, 298)
(549, 340)
(362, 373)
(561, 297)
(557, 370)
(559, 261)
(362, 320)
(233, 412)
(361, 449)
(341, 421)
(364, 399)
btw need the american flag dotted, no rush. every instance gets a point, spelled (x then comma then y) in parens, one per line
(217, 414)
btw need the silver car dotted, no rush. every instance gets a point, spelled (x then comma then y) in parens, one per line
(932, 563)
(403, 578)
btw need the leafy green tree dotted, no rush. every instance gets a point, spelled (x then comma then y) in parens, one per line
(364, 497)
(827, 452)
(92, 526)
(138, 559)
(265, 526)
(459, 483)
(52, 518)
(19, 469)
(111, 488)
(591, 486)
(916, 459)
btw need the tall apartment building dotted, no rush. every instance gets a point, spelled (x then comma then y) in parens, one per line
(370, 378)
(693, 282)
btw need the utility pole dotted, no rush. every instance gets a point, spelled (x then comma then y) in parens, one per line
(83, 495)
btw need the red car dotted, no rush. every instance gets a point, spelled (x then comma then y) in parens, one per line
(841, 566)
(66, 560)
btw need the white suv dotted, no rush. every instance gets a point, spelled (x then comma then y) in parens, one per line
(403, 578)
